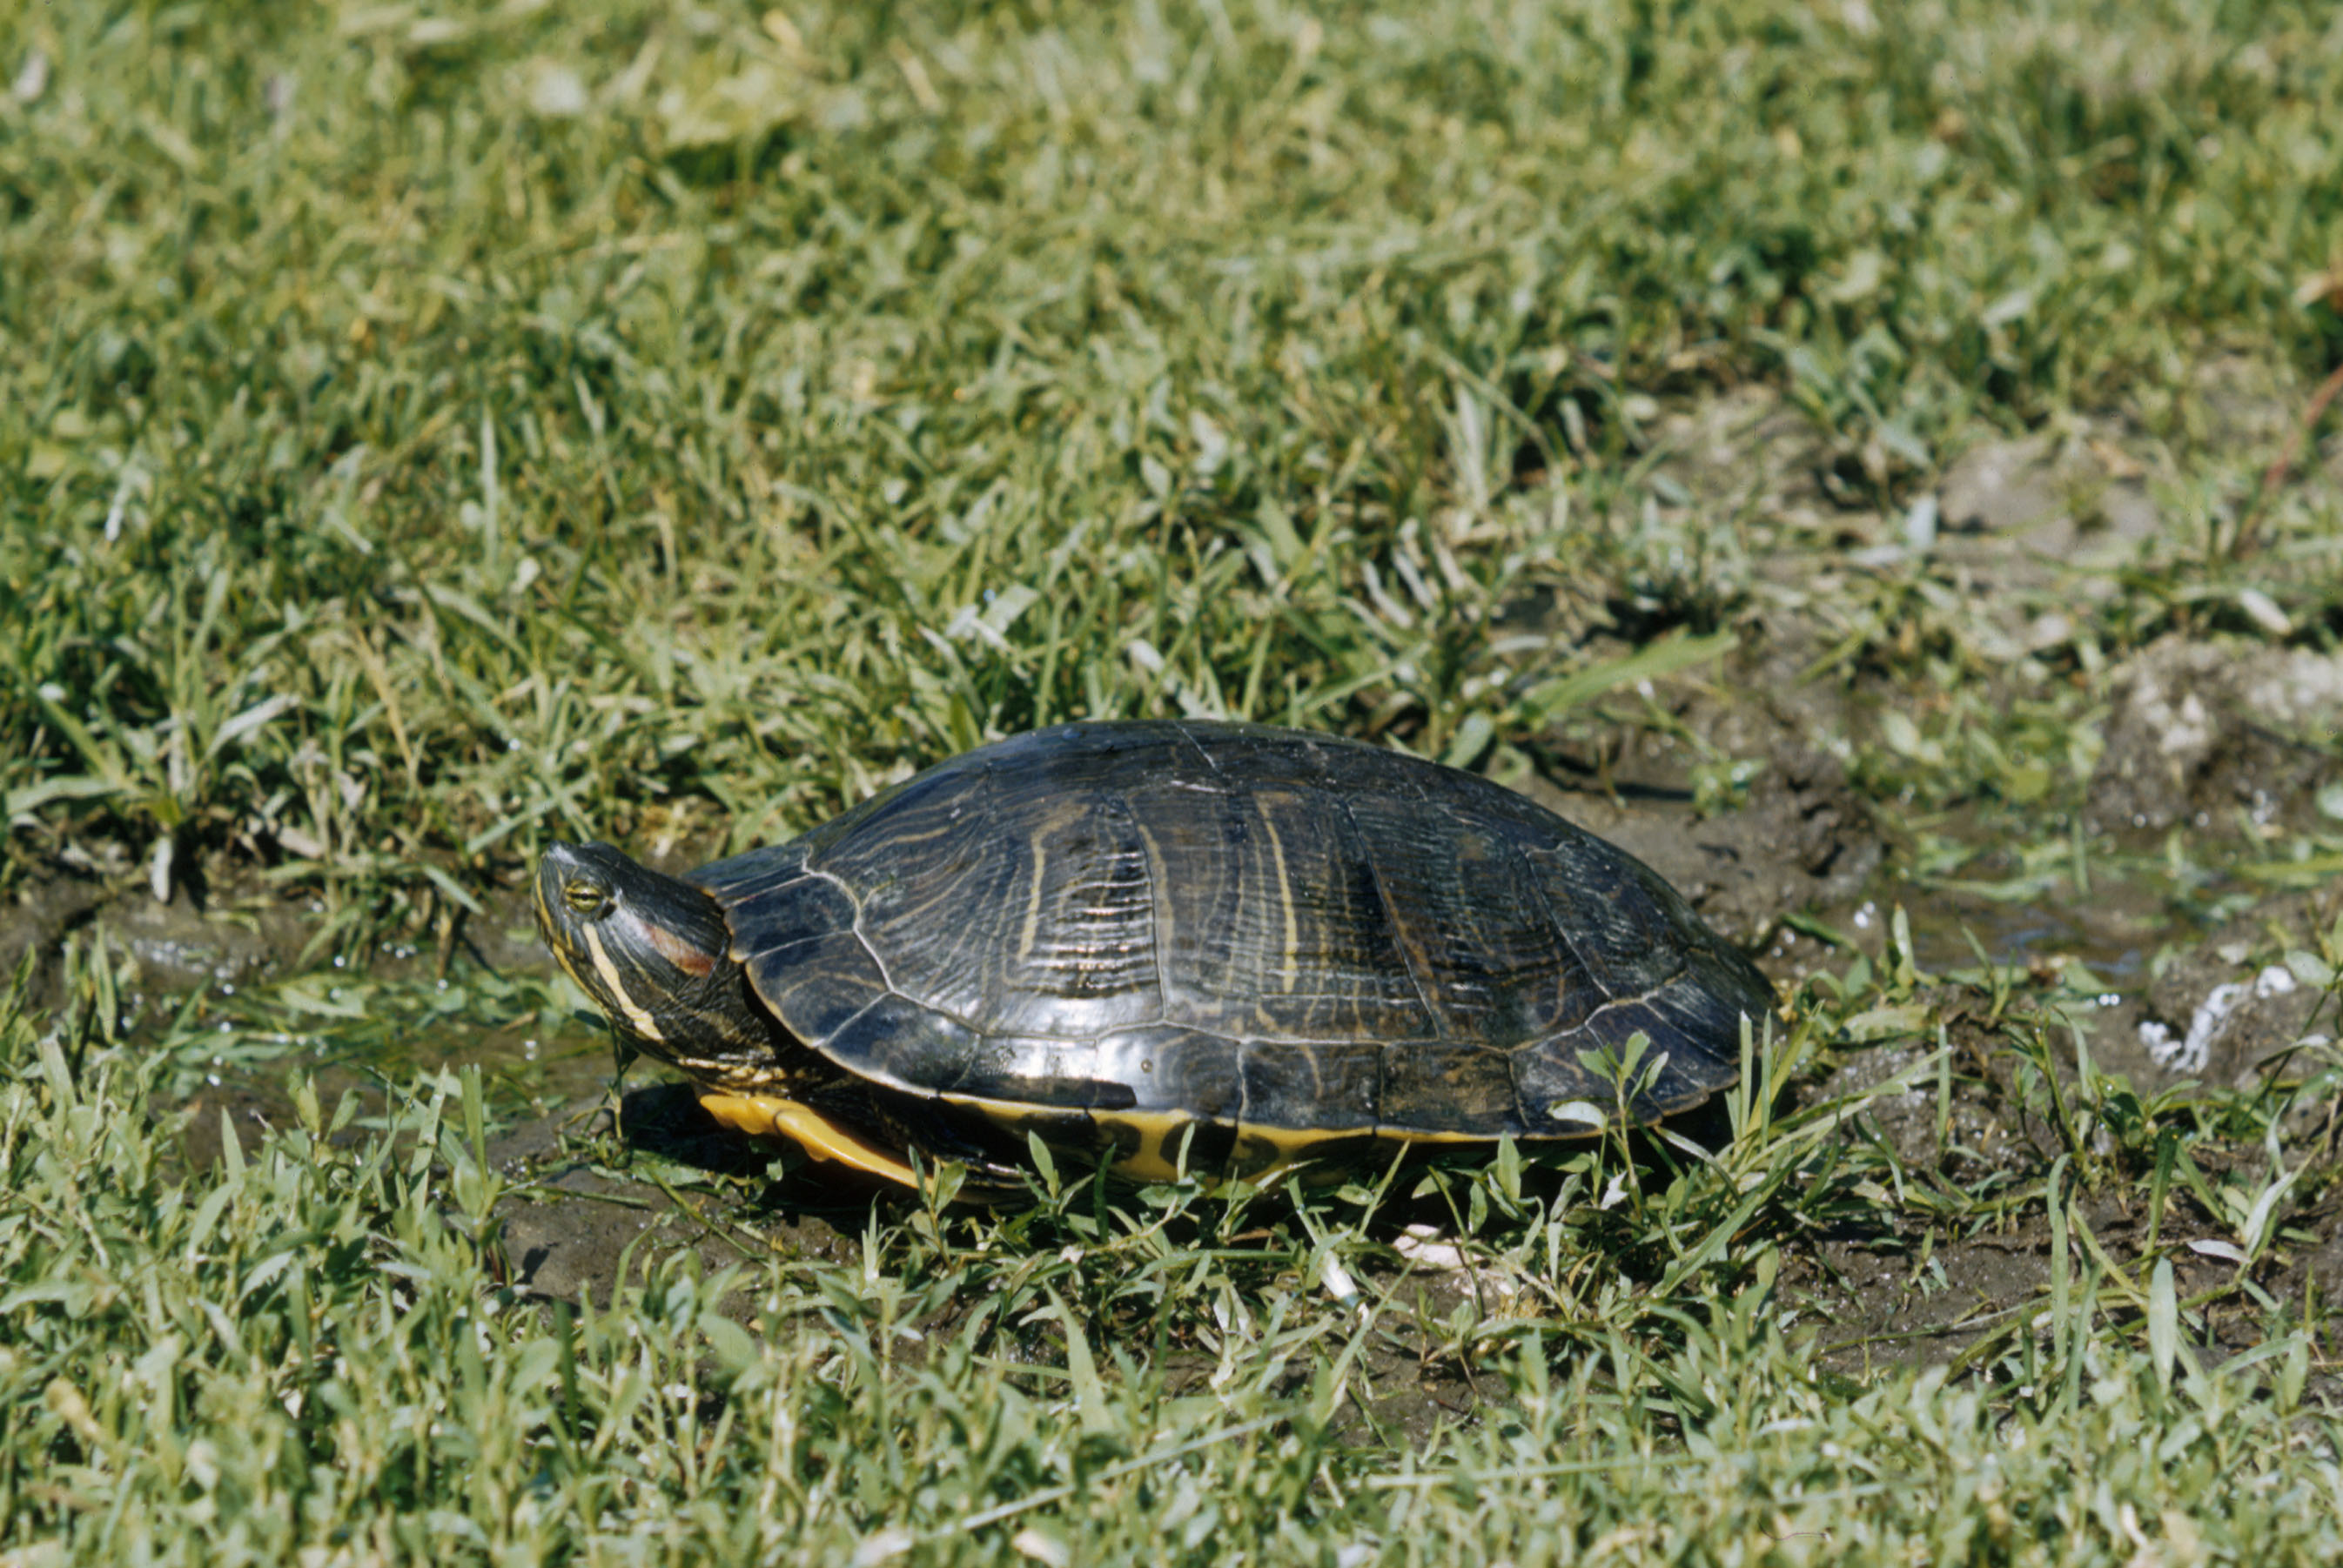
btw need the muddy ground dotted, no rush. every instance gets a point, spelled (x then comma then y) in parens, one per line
(2226, 739)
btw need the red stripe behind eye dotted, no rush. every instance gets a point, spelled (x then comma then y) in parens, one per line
(694, 961)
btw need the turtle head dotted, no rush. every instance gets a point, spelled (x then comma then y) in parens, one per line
(653, 953)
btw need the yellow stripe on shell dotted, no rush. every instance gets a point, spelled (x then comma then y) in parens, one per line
(1158, 1155)
(1032, 902)
(1287, 972)
(1159, 1135)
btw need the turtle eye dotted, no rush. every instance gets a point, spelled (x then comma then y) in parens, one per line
(584, 897)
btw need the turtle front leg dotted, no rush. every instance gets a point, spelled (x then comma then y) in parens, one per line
(771, 1116)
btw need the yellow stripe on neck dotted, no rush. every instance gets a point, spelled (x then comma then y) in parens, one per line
(769, 1116)
(635, 1014)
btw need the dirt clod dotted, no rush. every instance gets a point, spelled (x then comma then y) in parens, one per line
(2201, 733)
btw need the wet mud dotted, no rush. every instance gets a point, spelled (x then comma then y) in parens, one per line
(585, 1212)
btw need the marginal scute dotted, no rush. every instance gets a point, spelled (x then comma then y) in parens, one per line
(1174, 1069)
(1442, 1087)
(1034, 1070)
(1614, 1028)
(1543, 1079)
(1688, 1009)
(1333, 1087)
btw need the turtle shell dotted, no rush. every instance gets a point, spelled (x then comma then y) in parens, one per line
(1160, 930)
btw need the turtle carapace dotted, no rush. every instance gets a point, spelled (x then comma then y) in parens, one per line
(1159, 945)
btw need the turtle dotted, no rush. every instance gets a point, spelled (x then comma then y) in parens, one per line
(1165, 947)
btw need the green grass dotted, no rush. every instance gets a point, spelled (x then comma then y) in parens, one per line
(424, 433)
(310, 1350)
(400, 472)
